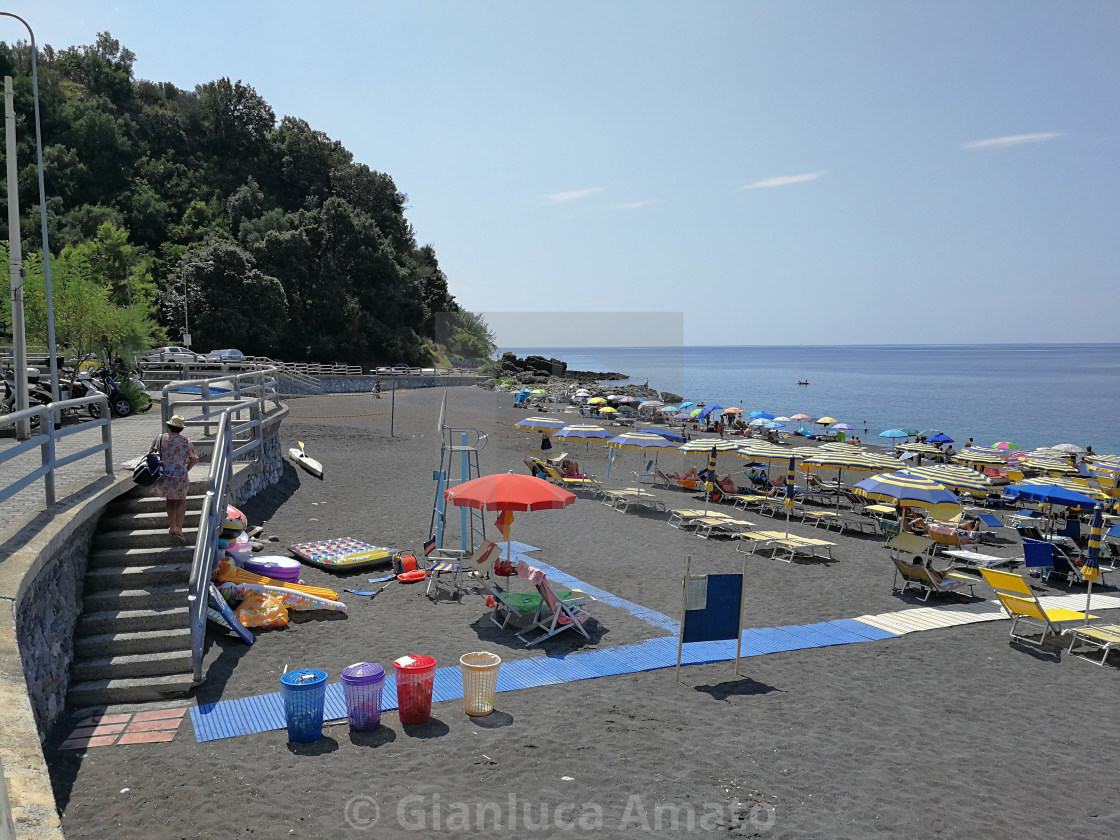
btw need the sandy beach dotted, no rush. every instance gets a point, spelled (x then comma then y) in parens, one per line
(948, 733)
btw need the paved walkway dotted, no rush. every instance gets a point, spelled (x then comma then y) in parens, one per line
(131, 437)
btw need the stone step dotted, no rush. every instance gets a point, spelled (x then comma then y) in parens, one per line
(152, 598)
(141, 504)
(128, 690)
(138, 577)
(93, 623)
(141, 641)
(109, 557)
(146, 520)
(132, 666)
(140, 538)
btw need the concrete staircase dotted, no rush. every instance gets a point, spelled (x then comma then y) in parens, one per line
(132, 643)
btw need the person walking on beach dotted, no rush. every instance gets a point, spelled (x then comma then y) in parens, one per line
(178, 458)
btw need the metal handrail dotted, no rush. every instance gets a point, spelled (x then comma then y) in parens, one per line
(46, 442)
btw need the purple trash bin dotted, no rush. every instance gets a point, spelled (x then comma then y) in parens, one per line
(362, 683)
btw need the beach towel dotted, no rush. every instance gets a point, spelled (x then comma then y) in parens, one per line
(532, 573)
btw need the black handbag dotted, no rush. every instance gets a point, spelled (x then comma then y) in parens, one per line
(150, 468)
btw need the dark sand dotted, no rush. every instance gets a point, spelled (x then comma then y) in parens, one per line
(944, 733)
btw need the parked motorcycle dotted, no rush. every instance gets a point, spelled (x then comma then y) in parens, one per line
(118, 402)
(8, 403)
(77, 385)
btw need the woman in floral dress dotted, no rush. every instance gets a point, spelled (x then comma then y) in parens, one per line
(178, 456)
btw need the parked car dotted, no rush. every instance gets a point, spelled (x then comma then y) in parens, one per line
(400, 368)
(229, 355)
(169, 354)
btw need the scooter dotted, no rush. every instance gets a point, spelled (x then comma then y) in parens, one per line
(81, 385)
(118, 402)
(8, 403)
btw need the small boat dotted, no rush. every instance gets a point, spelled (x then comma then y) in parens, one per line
(802, 381)
(301, 458)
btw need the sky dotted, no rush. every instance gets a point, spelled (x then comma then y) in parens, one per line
(771, 172)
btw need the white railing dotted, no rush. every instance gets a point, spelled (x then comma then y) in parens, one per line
(236, 407)
(209, 528)
(49, 436)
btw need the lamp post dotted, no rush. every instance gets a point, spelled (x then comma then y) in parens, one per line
(42, 210)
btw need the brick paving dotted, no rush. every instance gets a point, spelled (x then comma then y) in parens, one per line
(131, 437)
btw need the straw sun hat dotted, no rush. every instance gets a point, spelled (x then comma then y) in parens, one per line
(176, 422)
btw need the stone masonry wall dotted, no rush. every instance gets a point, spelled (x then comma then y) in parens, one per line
(272, 469)
(45, 625)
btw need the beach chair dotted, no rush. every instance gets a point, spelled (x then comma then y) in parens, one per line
(646, 473)
(686, 518)
(523, 606)
(946, 535)
(1038, 556)
(789, 547)
(1022, 606)
(910, 544)
(659, 477)
(555, 614)
(991, 520)
(887, 527)
(852, 521)
(1064, 566)
(720, 526)
(757, 540)
(927, 580)
(1103, 638)
(817, 517)
(572, 482)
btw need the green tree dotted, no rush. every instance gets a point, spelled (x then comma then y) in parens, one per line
(231, 302)
(123, 269)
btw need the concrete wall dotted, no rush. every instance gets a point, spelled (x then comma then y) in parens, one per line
(41, 586)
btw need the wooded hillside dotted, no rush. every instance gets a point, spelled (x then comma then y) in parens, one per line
(284, 244)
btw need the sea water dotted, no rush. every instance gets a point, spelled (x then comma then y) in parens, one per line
(1030, 394)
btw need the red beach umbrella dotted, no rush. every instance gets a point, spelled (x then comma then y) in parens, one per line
(508, 492)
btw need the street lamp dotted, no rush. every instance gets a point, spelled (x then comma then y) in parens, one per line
(42, 210)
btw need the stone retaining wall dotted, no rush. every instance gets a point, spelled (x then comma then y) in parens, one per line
(45, 619)
(364, 384)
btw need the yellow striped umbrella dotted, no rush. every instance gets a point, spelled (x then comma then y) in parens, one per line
(707, 444)
(770, 453)
(1051, 467)
(924, 448)
(541, 423)
(857, 461)
(840, 446)
(910, 491)
(972, 457)
(640, 440)
(954, 477)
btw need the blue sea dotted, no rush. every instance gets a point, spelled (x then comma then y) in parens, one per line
(1030, 394)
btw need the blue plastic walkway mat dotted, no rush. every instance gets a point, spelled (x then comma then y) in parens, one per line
(872, 634)
(563, 579)
(265, 712)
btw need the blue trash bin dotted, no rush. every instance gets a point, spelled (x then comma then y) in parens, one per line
(303, 692)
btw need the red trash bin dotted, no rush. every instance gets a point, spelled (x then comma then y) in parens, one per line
(416, 675)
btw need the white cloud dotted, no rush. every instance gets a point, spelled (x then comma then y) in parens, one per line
(572, 195)
(1013, 140)
(782, 180)
(634, 205)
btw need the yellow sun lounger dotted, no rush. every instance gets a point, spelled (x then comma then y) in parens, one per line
(1022, 605)
(1103, 638)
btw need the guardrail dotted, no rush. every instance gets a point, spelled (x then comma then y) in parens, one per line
(47, 438)
(236, 406)
(218, 392)
(210, 523)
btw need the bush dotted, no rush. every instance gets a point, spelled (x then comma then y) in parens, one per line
(135, 395)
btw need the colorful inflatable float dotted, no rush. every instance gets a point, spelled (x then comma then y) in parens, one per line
(341, 554)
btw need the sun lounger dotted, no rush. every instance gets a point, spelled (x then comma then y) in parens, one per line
(716, 526)
(624, 499)
(685, 518)
(817, 517)
(788, 548)
(1021, 605)
(946, 535)
(746, 500)
(572, 482)
(1103, 638)
(910, 544)
(927, 580)
(975, 560)
(555, 614)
